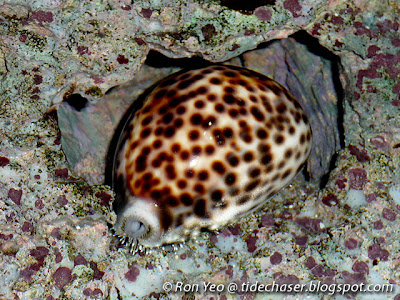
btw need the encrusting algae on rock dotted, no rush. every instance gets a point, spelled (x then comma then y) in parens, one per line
(207, 146)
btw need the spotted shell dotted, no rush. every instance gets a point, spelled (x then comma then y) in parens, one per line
(206, 147)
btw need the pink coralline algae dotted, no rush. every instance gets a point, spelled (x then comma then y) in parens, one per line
(263, 13)
(96, 79)
(285, 279)
(387, 26)
(226, 233)
(293, 6)
(341, 183)
(82, 50)
(379, 142)
(229, 272)
(396, 88)
(104, 197)
(318, 269)
(39, 253)
(389, 214)
(276, 258)
(122, 59)
(370, 198)
(61, 173)
(62, 276)
(41, 16)
(310, 263)
(372, 50)
(301, 240)
(316, 28)
(146, 13)
(330, 200)
(235, 230)
(97, 273)
(387, 61)
(338, 44)
(267, 221)
(27, 227)
(312, 225)
(208, 31)
(37, 79)
(55, 233)
(354, 278)
(381, 29)
(357, 178)
(139, 41)
(4, 161)
(234, 47)
(80, 260)
(378, 225)
(89, 292)
(126, 7)
(368, 73)
(57, 140)
(28, 272)
(251, 241)
(213, 239)
(15, 195)
(351, 244)
(97, 292)
(23, 38)
(360, 267)
(39, 204)
(337, 20)
(6, 237)
(382, 60)
(375, 251)
(132, 274)
(396, 42)
(361, 155)
(286, 215)
(58, 256)
(62, 200)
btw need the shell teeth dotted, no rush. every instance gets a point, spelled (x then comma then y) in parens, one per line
(133, 247)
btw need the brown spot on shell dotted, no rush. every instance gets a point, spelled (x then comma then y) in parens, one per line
(199, 188)
(279, 139)
(210, 149)
(232, 159)
(182, 184)
(248, 156)
(243, 199)
(200, 208)
(196, 119)
(257, 114)
(217, 195)
(218, 167)
(252, 185)
(215, 80)
(186, 199)
(230, 179)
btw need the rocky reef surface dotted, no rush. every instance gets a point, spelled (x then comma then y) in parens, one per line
(338, 224)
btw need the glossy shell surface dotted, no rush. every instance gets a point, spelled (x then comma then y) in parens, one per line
(207, 146)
